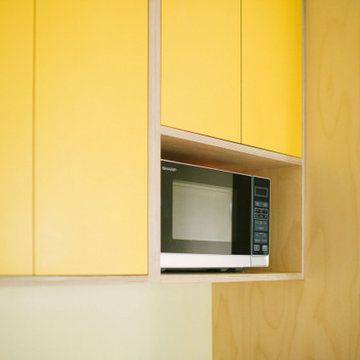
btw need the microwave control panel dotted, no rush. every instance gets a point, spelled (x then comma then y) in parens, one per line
(260, 216)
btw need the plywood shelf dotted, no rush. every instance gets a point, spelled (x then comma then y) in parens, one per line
(164, 278)
(194, 148)
(71, 280)
(190, 278)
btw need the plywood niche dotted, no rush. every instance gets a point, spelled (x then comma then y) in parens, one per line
(286, 174)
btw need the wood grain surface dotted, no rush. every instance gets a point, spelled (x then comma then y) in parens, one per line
(319, 317)
(194, 148)
(154, 213)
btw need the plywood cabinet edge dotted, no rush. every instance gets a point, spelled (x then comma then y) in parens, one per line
(304, 152)
(154, 140)
(174, 140)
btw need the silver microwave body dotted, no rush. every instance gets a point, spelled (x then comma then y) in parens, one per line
(213, 219)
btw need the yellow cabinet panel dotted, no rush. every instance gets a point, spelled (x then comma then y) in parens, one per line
(272, 75)
(91, 137)
(16, 97)
(200, 67)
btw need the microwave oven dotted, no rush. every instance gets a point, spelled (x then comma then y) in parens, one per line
(213, 219)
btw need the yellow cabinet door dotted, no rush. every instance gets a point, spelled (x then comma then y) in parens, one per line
(16, 104)
(200, 67)
(91, 137)
(272, 75)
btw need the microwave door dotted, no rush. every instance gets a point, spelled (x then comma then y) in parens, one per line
(195, 209)
(199, 210)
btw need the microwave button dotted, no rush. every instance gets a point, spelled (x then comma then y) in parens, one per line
(264, 248)
(262, 204)
(261, 236)
(261, 222)
(260, 227)
(256, 247)
(258, 235)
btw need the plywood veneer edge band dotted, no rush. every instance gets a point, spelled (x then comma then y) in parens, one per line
(216, 278)
(303, 176)
(227, 145)
(154, 139)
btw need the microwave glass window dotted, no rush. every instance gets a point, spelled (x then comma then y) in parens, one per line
(201, 212)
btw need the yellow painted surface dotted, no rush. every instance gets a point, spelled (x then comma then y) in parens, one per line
(200, 67)
(272, 75)
(318, 318)
(110, 322)
(91, 137)
(16, 85)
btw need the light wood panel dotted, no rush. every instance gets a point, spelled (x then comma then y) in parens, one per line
(154, 138)
(319, 317)
(192, 148)
(220, 278)
(200, 67)
(16, 107)
(91, 137)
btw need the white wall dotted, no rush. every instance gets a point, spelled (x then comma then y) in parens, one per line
(105, 322)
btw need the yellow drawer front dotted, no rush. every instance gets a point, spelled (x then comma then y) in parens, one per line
(272, 75)
(200, 67)
(91, 137)
(16, 85)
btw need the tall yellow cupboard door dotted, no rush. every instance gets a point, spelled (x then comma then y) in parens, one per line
(16, 98)
(200, 67)
(271, 75)
(91, 137)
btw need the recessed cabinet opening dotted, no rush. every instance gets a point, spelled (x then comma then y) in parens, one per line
(286, 175)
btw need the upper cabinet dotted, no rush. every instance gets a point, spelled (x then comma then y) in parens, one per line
(272, 75)
(91, 137)
(16, 99)
(200, 67)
